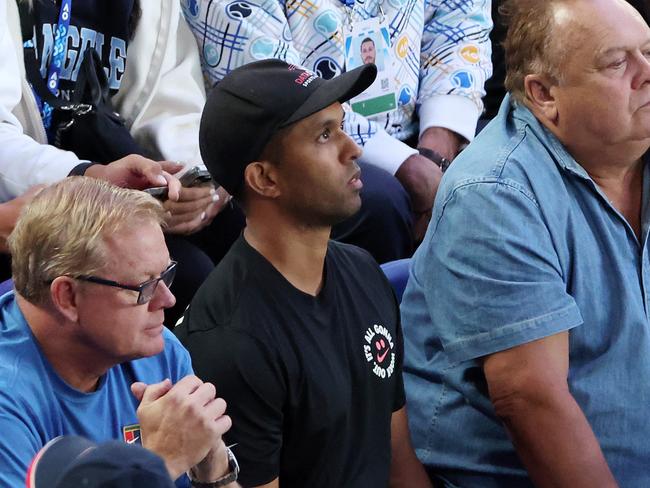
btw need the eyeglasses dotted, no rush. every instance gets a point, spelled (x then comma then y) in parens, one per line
(145, 290)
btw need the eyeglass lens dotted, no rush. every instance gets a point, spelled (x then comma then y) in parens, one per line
(149, 288)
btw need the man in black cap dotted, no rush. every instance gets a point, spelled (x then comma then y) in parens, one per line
(300, 333)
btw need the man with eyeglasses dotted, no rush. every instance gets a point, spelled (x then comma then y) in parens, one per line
(83, 349)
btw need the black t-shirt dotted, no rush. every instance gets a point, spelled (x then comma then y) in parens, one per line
(101, 24)
(311, 382)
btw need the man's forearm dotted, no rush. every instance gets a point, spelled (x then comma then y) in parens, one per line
(555, 442)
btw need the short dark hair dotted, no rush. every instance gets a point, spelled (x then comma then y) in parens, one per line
(367, 39)
(273, 153)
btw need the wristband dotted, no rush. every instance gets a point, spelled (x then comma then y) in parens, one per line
(436, 157)
(80, 169)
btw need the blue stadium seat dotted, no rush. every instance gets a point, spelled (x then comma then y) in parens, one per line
(397, 273)
(6, 286)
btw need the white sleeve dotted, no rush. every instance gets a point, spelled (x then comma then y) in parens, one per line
(166, 119)
(379, 147)
(24, 162)
(451, 90)
(227, 42)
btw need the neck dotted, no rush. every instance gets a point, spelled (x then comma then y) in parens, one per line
(617, 168)
(620, 176)
(72, 360)
(611, 163)
(297, 252)
(605, 159)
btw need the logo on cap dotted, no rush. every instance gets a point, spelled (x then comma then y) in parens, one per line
(131, 434)
(305, 78)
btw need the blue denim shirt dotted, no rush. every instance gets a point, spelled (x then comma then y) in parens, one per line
(523, 244)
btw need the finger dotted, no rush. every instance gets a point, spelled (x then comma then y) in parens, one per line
(171, 167)
(223, 193)
(187, 385)
(150, 170)
(216, 407)
(205, 221)
(173, 187)
(189, 194)
(188, 209)
(185, 227)
(213, 210)
(223, 424)
(138, 389)
(152, 392)
(204, 394)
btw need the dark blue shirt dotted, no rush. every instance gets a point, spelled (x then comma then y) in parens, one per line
(97, 23)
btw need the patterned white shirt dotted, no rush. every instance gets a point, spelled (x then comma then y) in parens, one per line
(442, 47)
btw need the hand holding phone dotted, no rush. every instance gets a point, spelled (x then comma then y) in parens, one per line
(159, 192)
(195, 176)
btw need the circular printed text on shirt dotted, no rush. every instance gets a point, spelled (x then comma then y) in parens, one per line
(380, 350)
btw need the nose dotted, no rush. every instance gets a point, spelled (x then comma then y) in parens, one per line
(643, 75)
(162, 297)
(352, 150)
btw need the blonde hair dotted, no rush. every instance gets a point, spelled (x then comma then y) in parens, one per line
(62, 230)
(530, 46)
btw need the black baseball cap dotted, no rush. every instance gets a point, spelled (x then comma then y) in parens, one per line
(73, 461)
(254, 101)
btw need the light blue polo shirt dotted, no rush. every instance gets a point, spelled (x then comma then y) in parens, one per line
(522, 244)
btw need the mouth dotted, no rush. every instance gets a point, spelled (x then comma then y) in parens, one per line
(355, 181)
(155, 330)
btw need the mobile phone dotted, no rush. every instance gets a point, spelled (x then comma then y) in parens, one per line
(159, 192)
(195, 176)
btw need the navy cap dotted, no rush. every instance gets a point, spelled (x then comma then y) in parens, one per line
(73, 461)
(254, 101)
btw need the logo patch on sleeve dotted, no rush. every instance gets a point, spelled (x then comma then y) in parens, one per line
(380, 350)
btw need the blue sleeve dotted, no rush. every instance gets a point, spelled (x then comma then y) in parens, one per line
(19, 443)
(490, 275)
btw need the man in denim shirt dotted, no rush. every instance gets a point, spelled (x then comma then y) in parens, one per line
(527, 339)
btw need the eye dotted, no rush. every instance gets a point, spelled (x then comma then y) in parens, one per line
(619, 63)
(324, 136)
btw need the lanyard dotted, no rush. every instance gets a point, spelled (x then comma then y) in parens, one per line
(58, 55)
(349, 12)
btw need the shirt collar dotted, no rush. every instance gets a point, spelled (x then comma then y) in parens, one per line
(523, 117)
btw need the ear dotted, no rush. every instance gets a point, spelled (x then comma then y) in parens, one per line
(64, 295)
(540, 95)
(262, 178)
